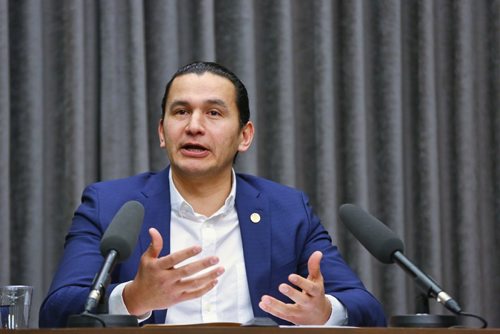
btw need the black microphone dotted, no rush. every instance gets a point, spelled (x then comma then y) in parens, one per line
(384, 244)
(117, 244)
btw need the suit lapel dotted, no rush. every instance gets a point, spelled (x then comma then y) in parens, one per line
(255, 226)
(157, 214)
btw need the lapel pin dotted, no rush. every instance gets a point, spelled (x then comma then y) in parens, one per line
(255, 218)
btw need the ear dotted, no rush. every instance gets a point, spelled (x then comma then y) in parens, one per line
(246, 137)
(161, 133)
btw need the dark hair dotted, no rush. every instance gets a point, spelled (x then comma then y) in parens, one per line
(214, 68)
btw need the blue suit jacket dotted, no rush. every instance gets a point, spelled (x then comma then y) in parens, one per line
(280, 244)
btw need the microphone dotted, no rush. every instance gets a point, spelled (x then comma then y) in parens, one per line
(384, 244)
(117, 244)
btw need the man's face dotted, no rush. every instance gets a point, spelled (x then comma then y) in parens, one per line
(201, 129)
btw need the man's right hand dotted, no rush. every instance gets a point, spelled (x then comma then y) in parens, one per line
(159, 284)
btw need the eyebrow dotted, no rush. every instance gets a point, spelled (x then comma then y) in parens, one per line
(218, 102)
(177, 103)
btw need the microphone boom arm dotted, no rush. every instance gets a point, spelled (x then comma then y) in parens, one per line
(426, 283)
(101, 281)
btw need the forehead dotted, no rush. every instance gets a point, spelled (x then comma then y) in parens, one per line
(198, 87)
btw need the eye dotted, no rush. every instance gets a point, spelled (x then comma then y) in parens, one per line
(214, 113)
(180, 112)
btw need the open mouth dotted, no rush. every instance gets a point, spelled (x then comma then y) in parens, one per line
(194, 148)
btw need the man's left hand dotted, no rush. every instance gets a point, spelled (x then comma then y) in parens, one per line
(310, 307)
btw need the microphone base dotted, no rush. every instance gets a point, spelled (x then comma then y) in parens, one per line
(423, 320)
(102, 320)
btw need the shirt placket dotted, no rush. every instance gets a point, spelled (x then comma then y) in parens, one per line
(209, 300)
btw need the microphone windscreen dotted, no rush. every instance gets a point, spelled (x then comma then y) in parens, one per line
(123, 231)
(377, 238)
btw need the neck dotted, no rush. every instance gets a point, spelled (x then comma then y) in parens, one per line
(205, 195)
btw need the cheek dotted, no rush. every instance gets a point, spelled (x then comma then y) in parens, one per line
(169, 137)
(229, 143)
(170, 132)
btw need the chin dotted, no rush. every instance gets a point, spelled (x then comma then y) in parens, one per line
(194, 169)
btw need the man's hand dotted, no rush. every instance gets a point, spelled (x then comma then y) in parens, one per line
(311, 306)
(159, 284)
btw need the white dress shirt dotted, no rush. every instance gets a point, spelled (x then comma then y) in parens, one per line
(218, 235)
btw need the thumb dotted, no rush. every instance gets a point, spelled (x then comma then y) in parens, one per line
(156, 243)
(313, 265)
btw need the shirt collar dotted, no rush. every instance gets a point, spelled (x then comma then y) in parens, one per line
(183, 208)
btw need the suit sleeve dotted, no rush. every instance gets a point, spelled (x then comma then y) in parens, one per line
(80, 262)
(340, 281)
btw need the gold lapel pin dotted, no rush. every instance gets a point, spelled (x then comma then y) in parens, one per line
(255, 218)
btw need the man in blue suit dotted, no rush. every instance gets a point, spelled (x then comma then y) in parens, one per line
(215, 245)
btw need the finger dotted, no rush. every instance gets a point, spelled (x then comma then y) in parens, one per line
(277, 308)
(169, 261)
(297, 296)
(191, 294)
(312, 288)
(194, 283)
(196, 267)
(313, 265)
(156, 243)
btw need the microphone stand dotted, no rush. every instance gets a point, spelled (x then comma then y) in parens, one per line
(98, 301)
(102, 318)
(429, 289)
(422, 318)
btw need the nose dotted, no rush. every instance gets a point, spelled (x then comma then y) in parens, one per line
(195, 124)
